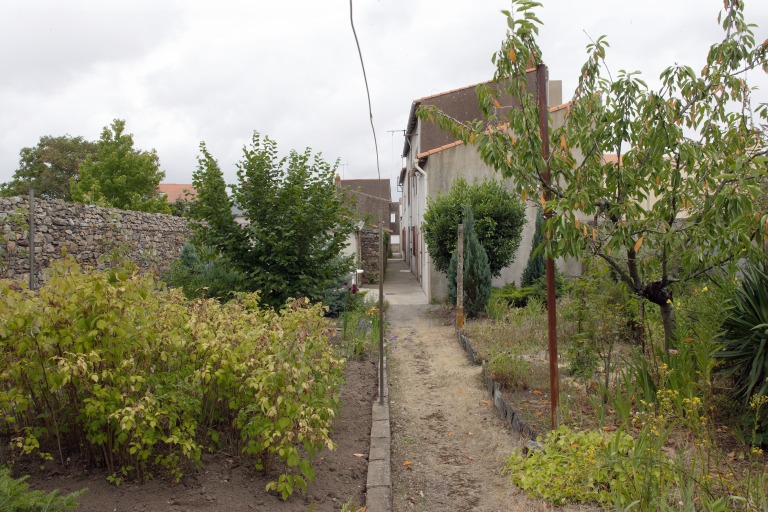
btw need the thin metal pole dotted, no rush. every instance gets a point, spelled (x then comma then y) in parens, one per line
(554, 380)
(31, 238)
(382, 262)
(460, 278)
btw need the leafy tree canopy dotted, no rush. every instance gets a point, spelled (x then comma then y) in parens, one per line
(120, 176)
(49, 167)
(499, 219)
(297, 224)
(679, 199)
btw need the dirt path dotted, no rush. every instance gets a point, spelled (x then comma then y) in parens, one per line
(448, 444)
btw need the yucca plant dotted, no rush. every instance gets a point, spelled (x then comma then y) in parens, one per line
(745, 334)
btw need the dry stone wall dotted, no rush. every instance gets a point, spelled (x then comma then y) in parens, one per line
(369, 254)
(88, 233)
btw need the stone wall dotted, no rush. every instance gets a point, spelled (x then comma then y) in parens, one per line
(86, 232)
(369, 254)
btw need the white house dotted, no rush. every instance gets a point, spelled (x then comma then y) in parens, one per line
(434, 159)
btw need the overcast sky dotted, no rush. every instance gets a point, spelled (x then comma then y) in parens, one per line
(184, 71)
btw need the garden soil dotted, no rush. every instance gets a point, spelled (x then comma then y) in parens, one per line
(448, 443)
(227, 482)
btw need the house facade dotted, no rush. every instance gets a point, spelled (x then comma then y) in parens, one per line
(433, 160)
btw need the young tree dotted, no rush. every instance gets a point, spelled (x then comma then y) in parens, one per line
(120, 176)
(500, 217)
(679, 199)
(49, 167)
(477, 269)
(297, 224)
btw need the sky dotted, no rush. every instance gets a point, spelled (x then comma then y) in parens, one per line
(185, 71)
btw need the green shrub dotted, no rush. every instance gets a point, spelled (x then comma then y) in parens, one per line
(477, 272)
(538, 288)
(201, 273)
(499, 219)
(572, 466)
(583, 358)
(142, 380)
(512, 295)
(342, 298)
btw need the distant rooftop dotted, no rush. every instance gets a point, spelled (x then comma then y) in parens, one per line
(379, 188)
(177, 191)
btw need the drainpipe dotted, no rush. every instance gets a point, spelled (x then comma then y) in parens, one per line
(426, 283)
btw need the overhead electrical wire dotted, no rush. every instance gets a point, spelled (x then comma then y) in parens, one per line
(367, 91)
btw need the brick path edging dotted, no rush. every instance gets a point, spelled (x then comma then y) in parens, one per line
(378, 493)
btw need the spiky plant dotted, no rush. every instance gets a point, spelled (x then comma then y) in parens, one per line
(745, 334)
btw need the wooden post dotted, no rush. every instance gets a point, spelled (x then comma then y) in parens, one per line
(460, 278)
(554, 378)
(31, 238)
(382, 262)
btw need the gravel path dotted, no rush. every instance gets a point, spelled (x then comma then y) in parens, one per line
(448, 444)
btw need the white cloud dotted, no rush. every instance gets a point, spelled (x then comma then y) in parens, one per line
(184, 71)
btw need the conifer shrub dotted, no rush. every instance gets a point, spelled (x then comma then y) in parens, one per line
(535, 268)
(477, 271)
(16, 496)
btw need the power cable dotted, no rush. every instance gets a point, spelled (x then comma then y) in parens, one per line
(367, 91)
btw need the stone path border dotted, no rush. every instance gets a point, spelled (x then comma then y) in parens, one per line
(506, 410)
(379, 484)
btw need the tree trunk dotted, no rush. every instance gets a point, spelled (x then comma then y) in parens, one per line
(668, 319)
(657, 293)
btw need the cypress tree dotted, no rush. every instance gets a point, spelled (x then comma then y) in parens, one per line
(535, 268)
(477, 271)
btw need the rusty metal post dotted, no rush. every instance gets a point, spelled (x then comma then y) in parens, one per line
(382, 262)
(460, 278)
(554, 380)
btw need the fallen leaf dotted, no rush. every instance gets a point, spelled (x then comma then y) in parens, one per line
(539, 413)
(450, 434)
(536, 392)
(470, 458)
(485, 402)
(470, 433)
(359, 455)
(408, 463)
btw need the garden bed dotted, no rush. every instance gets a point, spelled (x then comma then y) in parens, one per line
(229, 482)
(702, 449)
